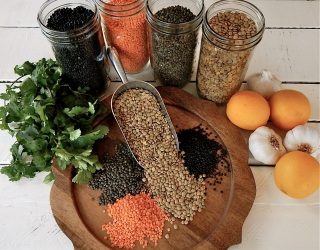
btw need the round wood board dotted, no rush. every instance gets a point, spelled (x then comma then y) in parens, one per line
(217, 226)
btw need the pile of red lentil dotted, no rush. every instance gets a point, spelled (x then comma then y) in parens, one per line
(135, 218)
(174, 182)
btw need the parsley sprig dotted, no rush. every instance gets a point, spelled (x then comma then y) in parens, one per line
(49, 119)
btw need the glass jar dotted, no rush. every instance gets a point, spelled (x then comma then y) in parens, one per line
(124, 26)
(172, 45)
(226, 50)
(78, 51)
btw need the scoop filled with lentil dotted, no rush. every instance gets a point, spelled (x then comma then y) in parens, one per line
(150, 138)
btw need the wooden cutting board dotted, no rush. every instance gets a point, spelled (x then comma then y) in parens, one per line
(217, 226)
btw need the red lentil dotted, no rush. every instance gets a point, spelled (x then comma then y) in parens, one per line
(128, 35)
(135, 218)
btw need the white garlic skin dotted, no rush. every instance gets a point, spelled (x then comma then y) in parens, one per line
(264, 83)
(261, 147)
(302, 135)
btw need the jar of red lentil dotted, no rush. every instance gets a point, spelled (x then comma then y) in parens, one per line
(124, 26)
(173, 28)
(231, 30)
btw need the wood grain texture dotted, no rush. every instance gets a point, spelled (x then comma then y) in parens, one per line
(26, 203)
(218, 226)
(66, 214)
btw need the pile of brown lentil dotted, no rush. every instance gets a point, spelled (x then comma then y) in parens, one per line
(221, 70)
(149, 136)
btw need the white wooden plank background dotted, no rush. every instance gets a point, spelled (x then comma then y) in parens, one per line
(288, 53)
(290, 49)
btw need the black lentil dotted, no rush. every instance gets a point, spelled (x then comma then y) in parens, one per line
(66, 19)
(204, 156)
(80, 55)
(120, 176)
(173, 54)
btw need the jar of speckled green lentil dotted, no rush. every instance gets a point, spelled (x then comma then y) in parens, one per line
(173, 28)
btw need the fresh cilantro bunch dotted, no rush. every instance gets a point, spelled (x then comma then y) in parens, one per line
(49, 119)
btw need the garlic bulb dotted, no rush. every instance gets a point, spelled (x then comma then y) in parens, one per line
(266, 145)
(264, 83)
(303, 138)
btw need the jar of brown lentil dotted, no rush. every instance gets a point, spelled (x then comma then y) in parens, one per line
(231, 30)
(125, 28)
(173, 28)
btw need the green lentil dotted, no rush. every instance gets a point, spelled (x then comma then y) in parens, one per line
(172, 54)
(120, 176)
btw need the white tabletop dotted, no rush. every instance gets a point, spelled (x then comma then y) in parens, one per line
(289, 49)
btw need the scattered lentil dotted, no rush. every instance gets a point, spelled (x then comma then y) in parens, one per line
(126, 30)
(135, 218)
(78, 56)
(120, 176)
(221, 69)
(172, 54)
(150, 138)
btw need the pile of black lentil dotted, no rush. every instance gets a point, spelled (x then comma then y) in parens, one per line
(78, 57)
(172, 56)
(120, 176)
(202, 155)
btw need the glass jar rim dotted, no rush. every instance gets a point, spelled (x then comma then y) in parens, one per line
(244, 3)
(70, 33)
(98, 2)
(113, 11)
(175, 26)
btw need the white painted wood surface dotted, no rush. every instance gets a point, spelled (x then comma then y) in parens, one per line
(290, 49)
(291, 54)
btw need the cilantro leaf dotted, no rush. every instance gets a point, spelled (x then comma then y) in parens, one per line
(75, 134)
(24, 69)
(90, 138)
(49, 119)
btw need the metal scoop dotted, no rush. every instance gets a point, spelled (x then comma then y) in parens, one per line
(112, 54)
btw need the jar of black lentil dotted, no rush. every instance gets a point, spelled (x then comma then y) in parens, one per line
(231, 30)
(173, 28)
(125, 28)
(74, 31)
